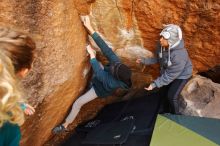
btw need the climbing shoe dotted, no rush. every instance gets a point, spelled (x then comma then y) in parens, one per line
(59, 129)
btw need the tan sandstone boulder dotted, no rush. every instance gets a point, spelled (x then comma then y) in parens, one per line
(59, 73)
(131, 27)
(201, 98)
(60, 69)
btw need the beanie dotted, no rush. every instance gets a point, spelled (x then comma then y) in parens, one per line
(173, 34)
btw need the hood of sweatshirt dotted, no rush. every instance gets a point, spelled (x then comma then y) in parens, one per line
(178, 45)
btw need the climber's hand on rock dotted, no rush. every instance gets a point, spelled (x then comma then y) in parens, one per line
(91, 51)
(138, 61)
(150, 87)
(29, 110)
(87, 24)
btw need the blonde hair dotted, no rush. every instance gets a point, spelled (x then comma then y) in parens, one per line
(10, 93)
(16, 53)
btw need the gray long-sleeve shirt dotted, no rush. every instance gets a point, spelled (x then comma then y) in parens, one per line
(181, 67)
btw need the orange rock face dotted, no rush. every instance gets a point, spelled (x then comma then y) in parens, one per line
(198, 20)
(60, 69)
(131, 24)
(132, 28)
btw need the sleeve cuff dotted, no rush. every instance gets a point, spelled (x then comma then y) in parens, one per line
(95, 35)
(157, 83)
(23, 106)
(153, 85)
(93, 60)
(142, 61)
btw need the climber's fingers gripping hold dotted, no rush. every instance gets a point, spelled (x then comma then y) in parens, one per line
(87, 23)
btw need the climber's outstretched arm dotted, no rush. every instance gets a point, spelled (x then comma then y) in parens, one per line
(106, 50)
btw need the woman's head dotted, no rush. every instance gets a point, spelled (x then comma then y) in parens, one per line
(121, 72)
(170, 36)
(10, 93)
(16, 57)
(19, 48)
(164, 42)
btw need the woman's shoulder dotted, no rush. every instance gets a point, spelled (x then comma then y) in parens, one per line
(9, 126)
(179, 55)
(10, 130)
(10, 133)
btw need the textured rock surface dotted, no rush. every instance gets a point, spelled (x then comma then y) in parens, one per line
(137, 23)
(130, 27)
(199, 20)
(201, 98)
(59, 71)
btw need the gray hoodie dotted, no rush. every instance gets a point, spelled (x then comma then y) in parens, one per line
(180, 68)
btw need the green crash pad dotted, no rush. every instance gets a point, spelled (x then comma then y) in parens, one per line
(179, 130)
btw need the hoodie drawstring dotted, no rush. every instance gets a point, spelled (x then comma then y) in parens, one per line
(161, 52)
(169, 63)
